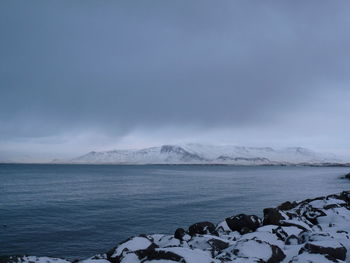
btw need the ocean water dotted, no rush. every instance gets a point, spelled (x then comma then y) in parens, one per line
(76, 211)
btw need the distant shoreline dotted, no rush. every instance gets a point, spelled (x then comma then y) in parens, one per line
(189, 164)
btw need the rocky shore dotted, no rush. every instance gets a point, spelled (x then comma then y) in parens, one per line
(314, 230)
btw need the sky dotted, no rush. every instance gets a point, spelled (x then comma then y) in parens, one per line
(77, 76)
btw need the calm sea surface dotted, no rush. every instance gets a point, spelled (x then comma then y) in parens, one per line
(75, 211)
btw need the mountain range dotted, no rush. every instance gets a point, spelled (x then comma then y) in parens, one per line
(208, 154)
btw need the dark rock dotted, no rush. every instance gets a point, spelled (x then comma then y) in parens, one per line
(218, 244)
(246, 249)
(310, 237)
(291, 215)
(180, 233)
(287, 206)
(347, 176)
(151, 254)
(342, 231)
(280, 233)
(306, 257)
(10, 259)
(272, 216)
(332, 196)
(283, 223)
(345, 196)
(277, 255)
(245, 230)
(304, 237)
(338, 252)
(201, 228)
(311, 214)
(225, 257)
(241, 222)
(331, 206)
(115, 258)
(309, 200)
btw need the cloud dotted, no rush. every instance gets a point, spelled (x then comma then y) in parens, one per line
(114, 69)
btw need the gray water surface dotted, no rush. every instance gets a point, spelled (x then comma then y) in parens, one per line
(76, 211)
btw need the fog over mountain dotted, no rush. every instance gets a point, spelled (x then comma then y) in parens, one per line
(89, 76)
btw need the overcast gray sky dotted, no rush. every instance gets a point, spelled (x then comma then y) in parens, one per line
(84, 75)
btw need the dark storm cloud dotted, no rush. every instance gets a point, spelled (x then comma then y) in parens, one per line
(114, 66)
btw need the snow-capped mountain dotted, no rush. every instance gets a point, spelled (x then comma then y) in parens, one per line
(207, 154)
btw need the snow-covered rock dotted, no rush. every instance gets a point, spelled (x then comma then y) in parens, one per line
(314, 230)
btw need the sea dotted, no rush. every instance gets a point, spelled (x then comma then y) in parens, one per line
(77, 211)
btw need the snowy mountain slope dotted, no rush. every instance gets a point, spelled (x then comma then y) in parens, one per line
(206, 154)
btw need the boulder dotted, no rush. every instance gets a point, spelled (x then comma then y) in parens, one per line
(201, 228)
(188, 255)
(257, 249)
(243, 223)
(311, 214)
(347, 176)
(217, 244)
(131, 244)
(180, 233)
(331, 248)
(280, 233)
(287, 206)
(314, 258)
(167, 240)
(152, 254)
(345, 196)
(272, 216)
(297, 223)
(208, 243)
